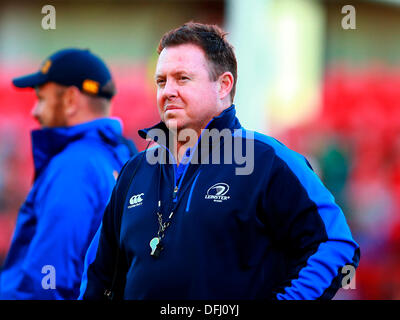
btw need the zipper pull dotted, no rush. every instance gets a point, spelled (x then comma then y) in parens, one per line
(175, 192)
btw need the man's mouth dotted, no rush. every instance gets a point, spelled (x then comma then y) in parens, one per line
(171, 107)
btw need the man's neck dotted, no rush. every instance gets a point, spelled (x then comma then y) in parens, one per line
(84, 117)
(187, 137)
(184, 140)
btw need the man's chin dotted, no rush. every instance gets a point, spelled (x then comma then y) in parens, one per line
(173, 124)
(41, 125)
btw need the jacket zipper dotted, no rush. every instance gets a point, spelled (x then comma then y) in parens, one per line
(175, 193)
(191, 192)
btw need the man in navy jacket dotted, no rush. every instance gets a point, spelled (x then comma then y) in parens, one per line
(191, 218)
(77, 155)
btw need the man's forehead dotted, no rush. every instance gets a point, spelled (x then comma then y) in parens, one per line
(43, 87)
(181, 58)
(48, 88)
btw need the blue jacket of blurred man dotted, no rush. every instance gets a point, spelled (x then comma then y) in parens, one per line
(77, 153)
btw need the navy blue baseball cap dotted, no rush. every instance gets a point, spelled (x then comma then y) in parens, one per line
(72, 67)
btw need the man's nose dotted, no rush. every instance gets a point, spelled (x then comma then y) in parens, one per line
(170, 89)
(36, 110)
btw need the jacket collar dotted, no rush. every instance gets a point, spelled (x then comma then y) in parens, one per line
(226, 120)
(48, 142)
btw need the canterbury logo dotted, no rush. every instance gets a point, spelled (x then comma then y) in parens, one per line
(218, 192)
(136, 200)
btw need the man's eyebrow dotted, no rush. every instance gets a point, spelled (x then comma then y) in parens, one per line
(37, 92)
(182, 71)
(174, 73)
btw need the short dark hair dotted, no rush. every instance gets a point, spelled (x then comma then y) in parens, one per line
(210, 38)
(99, 105)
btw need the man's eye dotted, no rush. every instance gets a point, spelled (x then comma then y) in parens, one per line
(160, 82)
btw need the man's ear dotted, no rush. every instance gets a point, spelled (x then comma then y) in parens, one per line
(225, 84)
(71, 101)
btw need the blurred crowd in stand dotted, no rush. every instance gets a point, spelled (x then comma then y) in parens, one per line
(354, 144)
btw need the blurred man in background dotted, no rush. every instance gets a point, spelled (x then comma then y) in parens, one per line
(77, 155)
(187, 227)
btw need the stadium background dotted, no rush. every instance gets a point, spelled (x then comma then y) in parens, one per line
(329, 93)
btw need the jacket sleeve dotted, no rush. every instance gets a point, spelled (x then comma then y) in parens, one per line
(101, 258)
(307, 222)
(67, 218)
(89, 258)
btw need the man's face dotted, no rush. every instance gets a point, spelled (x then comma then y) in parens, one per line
(49, 109)
(186, 97)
